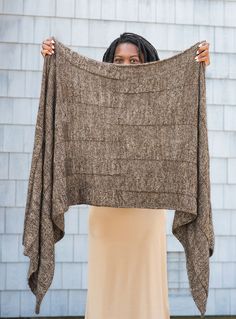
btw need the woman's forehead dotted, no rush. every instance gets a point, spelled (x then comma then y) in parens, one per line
(126, 48)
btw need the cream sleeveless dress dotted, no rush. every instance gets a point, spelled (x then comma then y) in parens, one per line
(127, 264)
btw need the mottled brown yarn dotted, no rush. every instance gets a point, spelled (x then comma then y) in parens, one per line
(120, 136)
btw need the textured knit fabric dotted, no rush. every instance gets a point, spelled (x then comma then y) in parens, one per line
(120, 136)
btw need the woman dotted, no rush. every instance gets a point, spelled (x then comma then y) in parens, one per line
(127, 266)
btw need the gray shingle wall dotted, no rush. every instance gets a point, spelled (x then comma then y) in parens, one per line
(89, 26)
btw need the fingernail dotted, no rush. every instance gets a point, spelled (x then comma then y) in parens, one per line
(197, 51)
(53, 47)
(52, 41)
(196, 58)
(52, 51)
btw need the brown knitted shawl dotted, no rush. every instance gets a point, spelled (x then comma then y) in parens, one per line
(120, 136)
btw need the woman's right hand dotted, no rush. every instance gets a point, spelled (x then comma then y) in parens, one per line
(47, 47)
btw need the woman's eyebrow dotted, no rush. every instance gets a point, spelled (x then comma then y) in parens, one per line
(117, 55)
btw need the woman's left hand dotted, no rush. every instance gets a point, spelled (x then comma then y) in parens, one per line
(202, 53)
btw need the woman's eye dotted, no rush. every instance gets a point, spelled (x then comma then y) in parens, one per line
(121, 61)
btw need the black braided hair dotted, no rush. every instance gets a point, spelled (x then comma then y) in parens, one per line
(145, 47)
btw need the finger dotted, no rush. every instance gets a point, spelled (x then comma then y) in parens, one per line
(203, 44)
(204, 53)
(203, 47)
(50, 39)
(47, 42)
(203, 59)
(207, 62)
(47, 47)
(46, 52)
